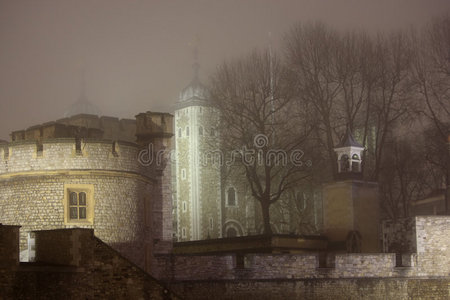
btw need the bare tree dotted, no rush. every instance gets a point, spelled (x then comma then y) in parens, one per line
(430, 74)
(403, 177)
(311, 55)
(259, 127)
(351, 81)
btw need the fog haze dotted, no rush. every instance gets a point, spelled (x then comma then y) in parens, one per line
(138, 55)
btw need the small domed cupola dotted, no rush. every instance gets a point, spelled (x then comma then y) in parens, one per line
(349, 154)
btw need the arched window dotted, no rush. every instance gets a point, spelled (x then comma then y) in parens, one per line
(79, 204)
(355, 157)
(200, 130)
(345, 163)
(231, 197)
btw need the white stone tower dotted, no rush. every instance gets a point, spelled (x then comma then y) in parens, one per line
(197, 174)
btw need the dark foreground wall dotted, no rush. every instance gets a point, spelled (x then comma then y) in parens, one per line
(334, 289)
(73, 264)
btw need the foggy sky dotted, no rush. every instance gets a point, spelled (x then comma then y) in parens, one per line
(137, 55)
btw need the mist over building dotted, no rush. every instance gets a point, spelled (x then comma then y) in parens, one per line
(313, 167)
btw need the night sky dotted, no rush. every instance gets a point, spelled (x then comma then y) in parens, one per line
(138, 55)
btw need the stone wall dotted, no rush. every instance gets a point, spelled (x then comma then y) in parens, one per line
(332, 289)
(432, 259)
(433, 245)
(110, 128)
(252, 276)
(60, 154)
(9, 245)
(73, 264)
(34, 192)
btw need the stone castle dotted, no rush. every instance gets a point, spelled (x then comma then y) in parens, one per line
(212, 200)
(93, 191)
(75, 173)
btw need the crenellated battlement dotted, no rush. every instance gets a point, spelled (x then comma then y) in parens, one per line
(70, 154)
(83, 126)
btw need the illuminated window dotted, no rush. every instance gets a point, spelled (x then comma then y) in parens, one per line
(231, 197)
(79, 204)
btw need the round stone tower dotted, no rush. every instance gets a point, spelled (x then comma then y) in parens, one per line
(51, 179)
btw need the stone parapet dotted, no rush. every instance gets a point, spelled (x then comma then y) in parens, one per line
(68, 154)
(432, 259)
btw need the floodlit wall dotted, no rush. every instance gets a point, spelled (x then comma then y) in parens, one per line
(35, 188)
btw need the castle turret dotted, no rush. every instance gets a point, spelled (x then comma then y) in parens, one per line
(198, 177)
(154, 133)
(350, 205)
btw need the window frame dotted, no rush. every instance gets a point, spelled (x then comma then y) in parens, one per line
(235, 197)
(87, 207)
